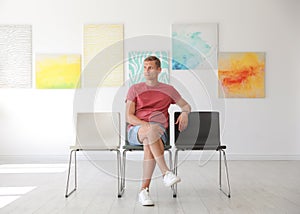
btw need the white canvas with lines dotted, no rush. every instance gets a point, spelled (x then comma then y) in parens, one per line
(15, 56)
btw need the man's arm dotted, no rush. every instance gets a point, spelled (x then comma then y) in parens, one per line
(185, 107)
(184, 116)
(130, 114)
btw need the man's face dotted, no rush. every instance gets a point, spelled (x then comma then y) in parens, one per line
(151, 71)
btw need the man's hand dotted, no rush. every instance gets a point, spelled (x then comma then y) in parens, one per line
(182, 120)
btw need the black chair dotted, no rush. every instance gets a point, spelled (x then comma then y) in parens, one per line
(127, 147)
(202, 133)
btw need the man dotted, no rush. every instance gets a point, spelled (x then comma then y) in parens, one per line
(147, 106)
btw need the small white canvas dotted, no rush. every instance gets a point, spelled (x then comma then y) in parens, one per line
(15, 56)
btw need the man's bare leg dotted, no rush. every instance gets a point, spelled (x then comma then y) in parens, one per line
(148, 167)
(150, 135)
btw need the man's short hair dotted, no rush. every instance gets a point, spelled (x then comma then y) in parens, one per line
(153, 58)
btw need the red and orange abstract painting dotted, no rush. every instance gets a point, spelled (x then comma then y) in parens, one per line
(241, 75)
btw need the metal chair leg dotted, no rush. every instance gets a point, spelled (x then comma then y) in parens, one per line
(227, 175)
(175, 172)
(220, 169)
(170, 160)
(123, 172)
(171, 165)
(69, 172)
(119, 168)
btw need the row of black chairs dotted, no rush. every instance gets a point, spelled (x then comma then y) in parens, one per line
(101, 132)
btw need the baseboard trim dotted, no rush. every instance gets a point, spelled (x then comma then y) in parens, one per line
(263, 157)
(186, 155)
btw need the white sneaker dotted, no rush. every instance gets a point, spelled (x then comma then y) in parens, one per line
(144, 198)
(170, 178)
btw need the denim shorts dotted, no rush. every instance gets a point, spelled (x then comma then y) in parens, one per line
(132, 136)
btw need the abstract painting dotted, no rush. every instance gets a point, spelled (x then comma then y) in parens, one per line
(103, 55)
(15, 56)
(242, 75)
(58, 71)
(136, 66)
(194, 46)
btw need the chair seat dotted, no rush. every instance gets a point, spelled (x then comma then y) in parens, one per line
(199, 147)
(140, 148)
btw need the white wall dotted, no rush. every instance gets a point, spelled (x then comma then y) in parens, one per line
(37, 123)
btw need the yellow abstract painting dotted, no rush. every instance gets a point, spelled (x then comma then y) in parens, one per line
(242, 75)
(57, 71)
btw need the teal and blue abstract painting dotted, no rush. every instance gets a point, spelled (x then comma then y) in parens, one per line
(136, 66)
(194, 46)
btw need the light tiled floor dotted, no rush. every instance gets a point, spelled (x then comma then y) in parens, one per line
(257, 187)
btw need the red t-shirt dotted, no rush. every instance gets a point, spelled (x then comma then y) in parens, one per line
(152, 102)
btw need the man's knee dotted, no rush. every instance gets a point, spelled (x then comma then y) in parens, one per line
(155, 130)
(152, 133)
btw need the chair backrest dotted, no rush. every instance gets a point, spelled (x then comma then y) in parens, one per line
(98, 130)
(203, 131)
